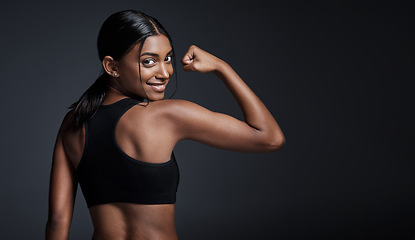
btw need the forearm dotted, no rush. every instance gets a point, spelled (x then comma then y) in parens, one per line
(57, 230)
(255, 112)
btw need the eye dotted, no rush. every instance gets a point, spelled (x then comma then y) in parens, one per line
(168, 58)
(149, 61)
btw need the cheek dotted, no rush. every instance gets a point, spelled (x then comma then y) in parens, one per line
(129, 72)
(146, 74)
(171, 70)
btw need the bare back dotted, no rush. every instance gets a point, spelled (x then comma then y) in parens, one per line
(144, 136)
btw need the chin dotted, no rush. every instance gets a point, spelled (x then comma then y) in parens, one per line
(157, 97)
(156, 93)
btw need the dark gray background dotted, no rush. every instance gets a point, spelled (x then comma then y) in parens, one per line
(337, 76)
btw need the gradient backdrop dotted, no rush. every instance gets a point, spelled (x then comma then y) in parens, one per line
(337, 76)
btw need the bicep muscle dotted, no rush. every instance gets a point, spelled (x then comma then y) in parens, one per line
(219, 130)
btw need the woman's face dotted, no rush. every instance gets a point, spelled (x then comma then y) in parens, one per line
(155, 65)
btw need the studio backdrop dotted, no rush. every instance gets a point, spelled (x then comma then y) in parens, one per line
(337, 76)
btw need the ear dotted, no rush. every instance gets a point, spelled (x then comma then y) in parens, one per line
(110, 66)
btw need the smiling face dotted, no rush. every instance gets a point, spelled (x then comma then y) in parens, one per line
(154, 65)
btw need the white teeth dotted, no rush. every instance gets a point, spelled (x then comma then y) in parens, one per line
(157, 87)
(155, 84)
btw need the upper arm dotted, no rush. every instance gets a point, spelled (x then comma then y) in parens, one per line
(63, 183)
(216, 129)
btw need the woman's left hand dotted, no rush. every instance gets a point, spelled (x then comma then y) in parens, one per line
(198, 60)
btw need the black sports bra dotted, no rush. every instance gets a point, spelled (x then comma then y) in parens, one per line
(107, 175)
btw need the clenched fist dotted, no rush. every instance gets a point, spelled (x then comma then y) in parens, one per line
(197, 60)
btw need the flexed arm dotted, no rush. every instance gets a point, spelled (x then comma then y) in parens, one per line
(259, 133)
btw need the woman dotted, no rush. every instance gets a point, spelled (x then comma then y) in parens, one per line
(117, 141)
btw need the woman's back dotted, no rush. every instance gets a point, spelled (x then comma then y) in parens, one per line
(141, 133)
(133, 221)
(144, 137)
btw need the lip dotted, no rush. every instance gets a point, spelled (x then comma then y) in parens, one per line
(158, 87)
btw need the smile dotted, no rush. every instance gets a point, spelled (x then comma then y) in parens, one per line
(159, 87)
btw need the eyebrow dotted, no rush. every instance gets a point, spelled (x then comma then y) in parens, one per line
(155, 54)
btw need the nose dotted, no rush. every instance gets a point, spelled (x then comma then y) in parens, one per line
(163, 72)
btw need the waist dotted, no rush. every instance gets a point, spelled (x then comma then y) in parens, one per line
(133, 221)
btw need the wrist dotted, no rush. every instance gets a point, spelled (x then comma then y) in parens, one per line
(220, 67)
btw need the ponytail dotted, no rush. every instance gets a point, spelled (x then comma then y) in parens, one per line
(89, 102)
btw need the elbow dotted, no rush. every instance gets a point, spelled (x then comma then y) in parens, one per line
(56, 221)
(274, 143)
(57, 228)
(277, 144)
(268, 141)
(53, 224)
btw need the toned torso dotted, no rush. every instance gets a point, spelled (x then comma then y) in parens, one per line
(128, 221)
(143, 135)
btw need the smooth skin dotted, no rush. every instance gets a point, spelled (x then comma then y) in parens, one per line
(149, 134)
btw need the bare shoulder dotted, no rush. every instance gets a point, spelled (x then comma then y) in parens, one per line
(67, 129)
(178, 103)
(172, 108)
(174, 114)
(179, 107)
(67, 123)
